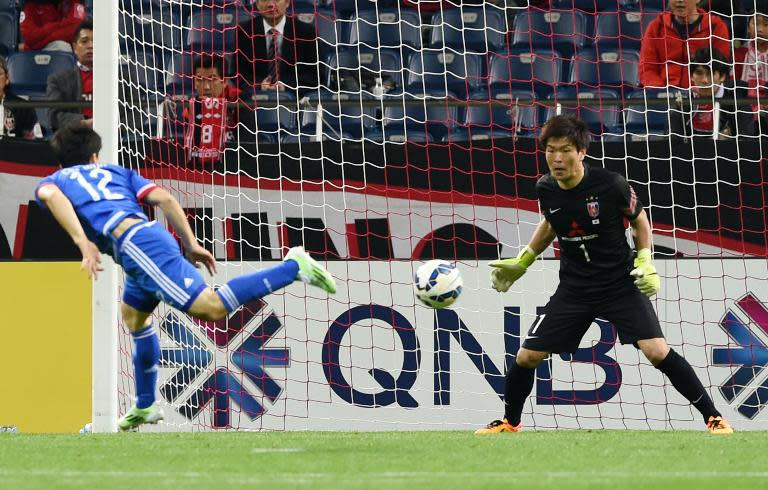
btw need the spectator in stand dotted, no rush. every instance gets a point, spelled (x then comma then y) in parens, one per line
(50, 24)
(16, 122)
(669, 39)
(754, 73)
(75, 84)
(711, 83)
(276, 51)
(731, 12)
(208, 122)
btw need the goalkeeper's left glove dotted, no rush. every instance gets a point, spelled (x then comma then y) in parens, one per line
(646, 278)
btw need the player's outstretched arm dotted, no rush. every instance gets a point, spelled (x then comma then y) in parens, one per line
(646, 278)
(506, 272)
(62, 210)
(175, 216)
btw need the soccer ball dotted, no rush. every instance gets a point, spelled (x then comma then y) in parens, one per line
(437, 283)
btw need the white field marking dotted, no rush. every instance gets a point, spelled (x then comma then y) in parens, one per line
(265, 450)
(309, 476)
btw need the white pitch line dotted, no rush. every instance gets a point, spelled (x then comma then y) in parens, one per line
(267, 477)
(266, 450)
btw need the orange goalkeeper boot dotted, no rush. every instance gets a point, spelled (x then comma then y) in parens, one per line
(718, 425)
(498, 426)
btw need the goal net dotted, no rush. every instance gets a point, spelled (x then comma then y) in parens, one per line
(382, 134)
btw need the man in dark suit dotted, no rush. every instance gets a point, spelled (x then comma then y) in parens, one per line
(276, 51)
(75, 84)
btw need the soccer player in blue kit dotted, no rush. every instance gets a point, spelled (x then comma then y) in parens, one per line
(98, 206)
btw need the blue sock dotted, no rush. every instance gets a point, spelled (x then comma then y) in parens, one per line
(248, 287)
(146, 356)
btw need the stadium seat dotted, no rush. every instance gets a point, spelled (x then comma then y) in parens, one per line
(444, 70)
(501, 115)
(562, 30)
(599, 118)
(214, 29)
(399, 134)
(8, 6)
(356, 69)
(651, 121)
(538, 71)
(618, 70)
(332, 31)
(29, 71)
(387, 29)
(8, 33)
(140, 71)
(622, 30)
(471, 29)
(343, 114)
(421, 112)
(149, 29)
(594, 5)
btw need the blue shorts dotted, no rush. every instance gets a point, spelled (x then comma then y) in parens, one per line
(155, 270)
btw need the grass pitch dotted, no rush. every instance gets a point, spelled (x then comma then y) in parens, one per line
(561, 459)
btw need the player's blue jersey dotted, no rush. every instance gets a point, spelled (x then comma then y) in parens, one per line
(103, 196)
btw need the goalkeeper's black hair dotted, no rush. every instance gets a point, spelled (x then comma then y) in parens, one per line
(565, 126)
(705, 57)
(74, 144)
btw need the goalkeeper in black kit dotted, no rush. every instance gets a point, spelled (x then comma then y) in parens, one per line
(585, 208)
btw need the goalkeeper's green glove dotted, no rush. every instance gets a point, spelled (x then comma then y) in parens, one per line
(646, 278)
(507, 271)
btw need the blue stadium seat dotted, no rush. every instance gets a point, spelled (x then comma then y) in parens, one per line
(538, 71)
(502, 113)
(8, 33)
(8, 6)
(266, 118)
(564, 31)
(140, 71)
(471, 29)
(332, 31)
(622, 30)
(415, 114)
(387, 29)
(343, 114)
(149, 29)
(478, 134)
(357, 68)
(600, 118)
(399, 134)
(593, 5)
(214, 29)
(651, 121)
(619, 70)
(444, 70)
(29, 71)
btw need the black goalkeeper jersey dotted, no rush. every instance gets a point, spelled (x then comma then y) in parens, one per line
(590, 224)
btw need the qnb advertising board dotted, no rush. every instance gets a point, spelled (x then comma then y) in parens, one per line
(371, 358)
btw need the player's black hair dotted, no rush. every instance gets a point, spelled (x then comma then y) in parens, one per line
(565, 126)
(87, 24)
(209, 60)
(705, 57)
(74, 144)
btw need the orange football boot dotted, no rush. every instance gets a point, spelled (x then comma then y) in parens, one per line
(498, 426)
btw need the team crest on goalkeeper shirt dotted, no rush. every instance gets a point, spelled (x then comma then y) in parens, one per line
(593, 208)
(222, 365)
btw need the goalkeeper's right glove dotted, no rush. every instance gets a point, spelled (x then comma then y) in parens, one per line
(507, 271)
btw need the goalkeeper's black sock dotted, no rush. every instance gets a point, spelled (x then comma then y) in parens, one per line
(684, 379)
(518, 386)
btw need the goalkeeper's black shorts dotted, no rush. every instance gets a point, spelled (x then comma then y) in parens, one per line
(570, 312)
